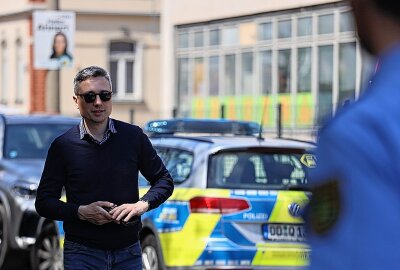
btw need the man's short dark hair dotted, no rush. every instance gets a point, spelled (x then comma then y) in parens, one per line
(390, 7)
(90, 72)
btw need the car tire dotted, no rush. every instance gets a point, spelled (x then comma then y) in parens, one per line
(46, 253)
(151, 253)
(3, 234)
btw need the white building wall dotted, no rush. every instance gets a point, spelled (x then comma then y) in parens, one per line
(18, 6)
(10, 33)
(190, 11)
(98, 22)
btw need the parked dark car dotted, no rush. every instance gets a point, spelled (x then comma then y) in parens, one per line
(24, 141)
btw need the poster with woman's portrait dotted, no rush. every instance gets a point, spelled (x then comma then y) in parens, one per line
(53, 39)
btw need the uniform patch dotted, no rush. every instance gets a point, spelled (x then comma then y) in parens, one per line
(308, 160)
(324, 207)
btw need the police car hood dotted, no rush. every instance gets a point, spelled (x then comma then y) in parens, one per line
(28, 169)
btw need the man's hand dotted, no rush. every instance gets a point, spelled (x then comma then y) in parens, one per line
(95, 213)
(126, 211)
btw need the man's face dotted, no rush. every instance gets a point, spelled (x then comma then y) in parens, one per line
(98, 111)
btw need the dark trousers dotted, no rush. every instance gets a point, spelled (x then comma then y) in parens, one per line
(80, 257)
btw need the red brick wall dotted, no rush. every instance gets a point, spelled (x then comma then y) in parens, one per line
(37, 80)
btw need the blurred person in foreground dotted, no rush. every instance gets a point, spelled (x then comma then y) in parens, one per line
(97, 162)
(354, 216)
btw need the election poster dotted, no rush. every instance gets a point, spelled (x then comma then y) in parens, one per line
(54, 33)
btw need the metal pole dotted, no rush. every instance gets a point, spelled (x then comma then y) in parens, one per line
(53, 76)
(223, 111)
(279, 120)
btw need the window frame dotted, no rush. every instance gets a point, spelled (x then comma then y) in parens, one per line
(122, 59)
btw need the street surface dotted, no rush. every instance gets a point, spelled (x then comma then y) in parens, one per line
(17, 261)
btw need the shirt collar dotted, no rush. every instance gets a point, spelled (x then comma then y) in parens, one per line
(83, 131)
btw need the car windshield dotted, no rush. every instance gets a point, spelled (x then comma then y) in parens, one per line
(259, 170)
(31, 141)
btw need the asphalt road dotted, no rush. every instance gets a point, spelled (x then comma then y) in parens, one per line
(17, 261)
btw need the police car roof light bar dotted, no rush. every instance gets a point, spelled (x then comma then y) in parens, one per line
(209, 126)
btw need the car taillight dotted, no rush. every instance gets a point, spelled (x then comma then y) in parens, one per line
(217, 205)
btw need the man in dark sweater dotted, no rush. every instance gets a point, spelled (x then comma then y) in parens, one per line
(97, 163)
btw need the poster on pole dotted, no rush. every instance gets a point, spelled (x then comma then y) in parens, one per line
(54, 33)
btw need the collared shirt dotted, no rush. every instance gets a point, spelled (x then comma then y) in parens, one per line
(84, 134)
(354, 215)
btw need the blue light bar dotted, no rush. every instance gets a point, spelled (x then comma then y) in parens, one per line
(208, 126)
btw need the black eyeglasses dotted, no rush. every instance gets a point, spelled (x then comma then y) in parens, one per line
(91, 97)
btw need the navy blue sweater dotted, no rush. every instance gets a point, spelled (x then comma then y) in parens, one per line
(107, 172)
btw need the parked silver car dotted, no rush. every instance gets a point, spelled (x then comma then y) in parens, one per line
(24, 142)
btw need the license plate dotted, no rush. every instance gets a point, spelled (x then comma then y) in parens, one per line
(284, 232)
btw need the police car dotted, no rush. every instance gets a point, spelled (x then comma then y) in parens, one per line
(237, 201)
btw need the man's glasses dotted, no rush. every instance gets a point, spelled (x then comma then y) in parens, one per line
(91, 97)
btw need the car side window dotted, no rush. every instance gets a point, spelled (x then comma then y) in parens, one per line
(256, 170)
(163, 154)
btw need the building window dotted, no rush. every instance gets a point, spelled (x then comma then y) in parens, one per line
(347, 72)
(304, 26)
(284, 67)
(247, 73)
(183, 82)
(198, 39)
(325, 24)
(230, 36)
(126, 70)
(214, 37)
(183, 40)
(230, 75)
(214, 75)
(304, 70)
(19, 73)
(198, 79)
(325, 81)
(4, 73)
(346, 22)
(266, 72)
(265, 31)
(285, 29)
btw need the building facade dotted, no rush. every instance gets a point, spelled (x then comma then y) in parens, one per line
(122, 35)
(207, 59)
(241, 60)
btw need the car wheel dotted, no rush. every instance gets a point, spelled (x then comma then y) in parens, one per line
(151, 253)
(3, 234)
(46, 253)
